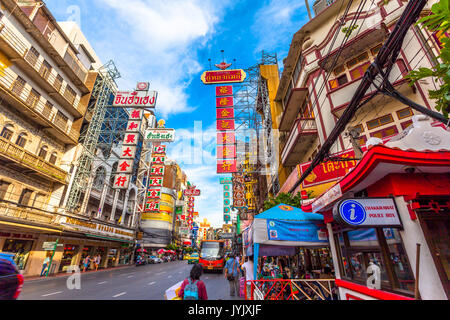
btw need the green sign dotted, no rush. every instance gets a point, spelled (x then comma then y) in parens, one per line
(225, 180)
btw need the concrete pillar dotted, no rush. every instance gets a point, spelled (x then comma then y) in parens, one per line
(2, 243)
(77, 256)
(116, 262)
(36, 257)
(104, 261)
(114, 206)
(87, 194)
(102, 199)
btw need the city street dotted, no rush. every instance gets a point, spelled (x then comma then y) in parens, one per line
(147, 282)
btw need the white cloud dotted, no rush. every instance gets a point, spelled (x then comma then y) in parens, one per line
(197, 158)
(157, 41)
(277, 21)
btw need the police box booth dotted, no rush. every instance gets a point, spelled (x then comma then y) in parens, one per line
(388, 218)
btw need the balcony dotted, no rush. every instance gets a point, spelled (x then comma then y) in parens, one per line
(302, 134)
(44, 42)
(341, 96)
(21, 214)
(34, 108)
(19, 53)
(355, 45)
(26, 162)
(296, 98)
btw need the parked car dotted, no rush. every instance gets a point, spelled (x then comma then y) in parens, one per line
(11, 281)
(154, 259)
(193, 258)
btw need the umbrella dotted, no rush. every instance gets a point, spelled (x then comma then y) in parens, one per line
(142, 250)
(161, 251)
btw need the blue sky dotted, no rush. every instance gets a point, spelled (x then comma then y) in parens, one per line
(168, 43)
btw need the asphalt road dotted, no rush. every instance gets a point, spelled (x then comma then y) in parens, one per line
(147, 282)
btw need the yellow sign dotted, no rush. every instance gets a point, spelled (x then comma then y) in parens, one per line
(157, 216)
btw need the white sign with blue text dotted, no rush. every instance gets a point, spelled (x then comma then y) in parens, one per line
(367, 212)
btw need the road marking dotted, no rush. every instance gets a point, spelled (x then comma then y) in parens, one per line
(119, 294)
(161, 273)
(130, 276)
(153, 282)
(102, 282)
(169, 277)
(50, 294)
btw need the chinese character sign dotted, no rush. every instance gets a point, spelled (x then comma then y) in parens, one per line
(130, 141)
(226, 147)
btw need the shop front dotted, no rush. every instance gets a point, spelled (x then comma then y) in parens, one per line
(291, 255)
(389, 218)
(21, 249)
(68, 256)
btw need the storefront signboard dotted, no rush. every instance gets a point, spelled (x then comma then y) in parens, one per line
(367, 212)
(191, 192)
(328, 197)
(159, 135)
(223, 76)
(135, 99)
(225, 180)
(101, 229)
(224, 91)
(327, 171)
(291, 230)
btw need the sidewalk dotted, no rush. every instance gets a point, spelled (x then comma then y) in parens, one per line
(65, 274)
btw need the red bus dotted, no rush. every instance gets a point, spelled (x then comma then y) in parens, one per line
(212, 255)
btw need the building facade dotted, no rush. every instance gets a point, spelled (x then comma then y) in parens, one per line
(48, 72)
(323, 70)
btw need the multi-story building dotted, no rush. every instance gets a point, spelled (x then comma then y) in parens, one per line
(48, 71)
(43, 99)
(321, 74)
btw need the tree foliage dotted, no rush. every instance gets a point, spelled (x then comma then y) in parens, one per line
(438, 21)
(286, 198)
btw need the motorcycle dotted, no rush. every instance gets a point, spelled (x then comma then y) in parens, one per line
(140, 261)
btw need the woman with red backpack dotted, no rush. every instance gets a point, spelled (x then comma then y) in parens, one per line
(192, 287)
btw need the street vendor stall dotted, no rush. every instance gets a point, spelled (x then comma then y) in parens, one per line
(281, 230)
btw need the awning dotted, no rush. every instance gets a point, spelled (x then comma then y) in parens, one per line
(431, 154)
(284, 225)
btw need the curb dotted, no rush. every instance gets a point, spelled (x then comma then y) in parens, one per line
(64, 274)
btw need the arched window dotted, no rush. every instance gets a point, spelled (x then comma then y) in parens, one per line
(43, 152)
(7, 132)
(21, 140)
(99, 179)
(53, 158)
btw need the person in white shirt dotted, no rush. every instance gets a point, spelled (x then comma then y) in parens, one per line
(248, 270)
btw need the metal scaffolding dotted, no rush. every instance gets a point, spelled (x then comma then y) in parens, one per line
(101, 96)
(251, 99)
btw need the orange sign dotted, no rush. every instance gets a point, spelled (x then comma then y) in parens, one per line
(224, 102)
(226, 138)
(224, 91)
(223, 125)
(223, 76)
(226, 166)
(223, 113)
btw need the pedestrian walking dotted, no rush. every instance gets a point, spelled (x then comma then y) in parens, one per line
(249, 276)
(45, 264)
(192, 287)
(232, 275)
(86, 263)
